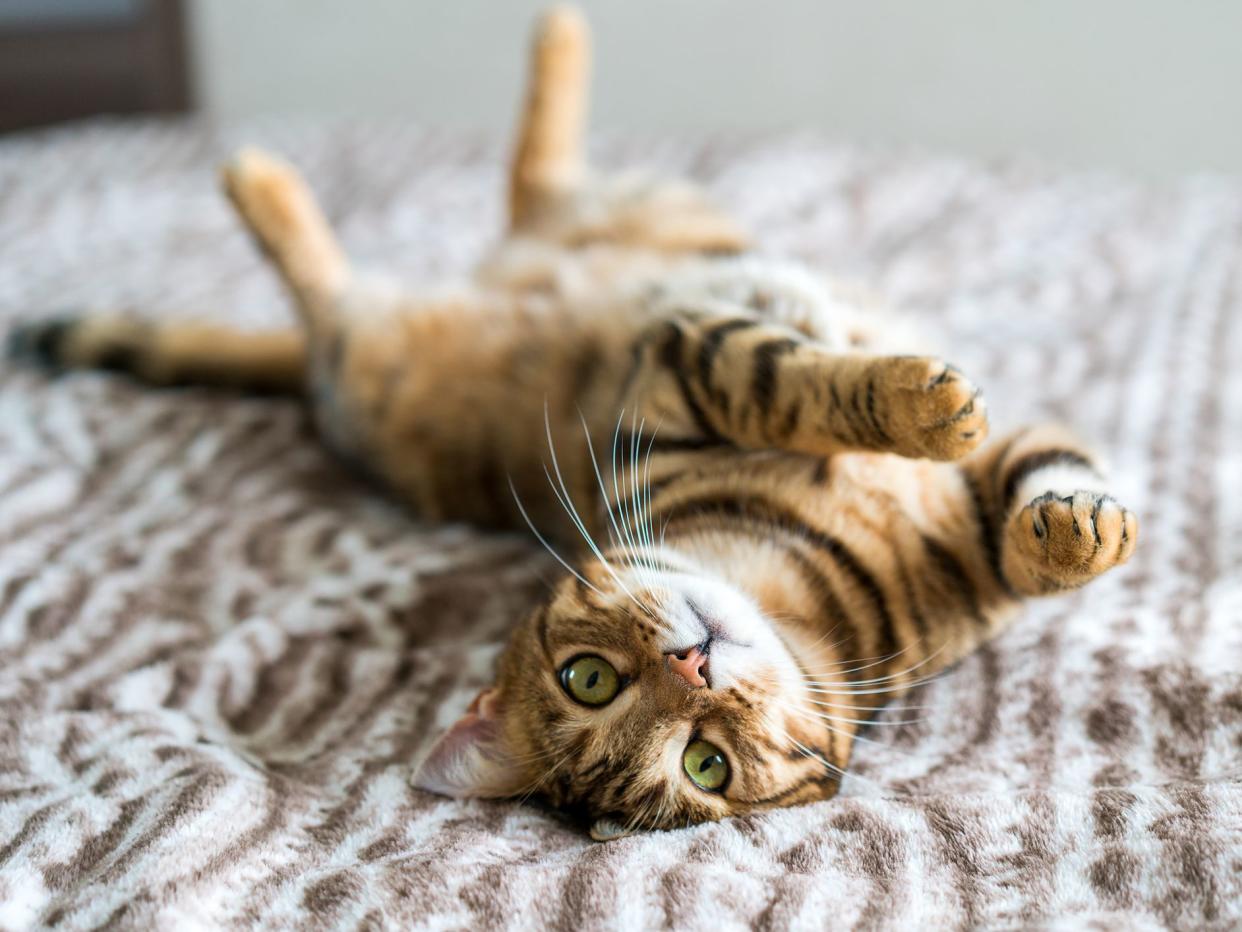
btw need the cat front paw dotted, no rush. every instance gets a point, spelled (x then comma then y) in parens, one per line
(1065, 541)
(932, 409)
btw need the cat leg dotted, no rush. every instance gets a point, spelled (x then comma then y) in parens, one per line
(736, 379)
(169, 352)
(1054, 524)
(277, 206)
(554, 196)
(548, 159)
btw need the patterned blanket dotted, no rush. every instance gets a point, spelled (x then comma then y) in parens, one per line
(220, 653)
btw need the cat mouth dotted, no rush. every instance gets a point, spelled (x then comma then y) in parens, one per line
(712, 627)
(695, 655)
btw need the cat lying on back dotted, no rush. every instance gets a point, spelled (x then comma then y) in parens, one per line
(769, 523)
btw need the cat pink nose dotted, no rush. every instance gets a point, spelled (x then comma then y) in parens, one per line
(689, 666)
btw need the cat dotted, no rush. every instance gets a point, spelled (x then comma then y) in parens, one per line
(779, 521)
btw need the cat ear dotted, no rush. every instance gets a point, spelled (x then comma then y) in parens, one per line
(606, 829)
(472, 758)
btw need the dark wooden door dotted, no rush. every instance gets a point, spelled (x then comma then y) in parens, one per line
(62, 59)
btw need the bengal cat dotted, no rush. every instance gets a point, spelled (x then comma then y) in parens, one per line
(776, 523)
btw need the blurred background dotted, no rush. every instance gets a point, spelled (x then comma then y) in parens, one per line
(1146, 86)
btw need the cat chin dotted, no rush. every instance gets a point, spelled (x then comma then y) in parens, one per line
(743, 641)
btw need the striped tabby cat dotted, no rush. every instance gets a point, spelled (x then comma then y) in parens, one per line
(779, 523)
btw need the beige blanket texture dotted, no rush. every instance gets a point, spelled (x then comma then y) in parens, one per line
(220, 653)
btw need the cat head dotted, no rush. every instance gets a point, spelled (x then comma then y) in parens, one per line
(650, 699)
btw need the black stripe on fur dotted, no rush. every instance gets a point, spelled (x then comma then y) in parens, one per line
(1032, 463)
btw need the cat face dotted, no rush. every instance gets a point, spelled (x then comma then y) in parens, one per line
(646, 700)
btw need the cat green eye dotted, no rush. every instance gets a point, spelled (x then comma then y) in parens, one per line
(590, 680)
(705, 764)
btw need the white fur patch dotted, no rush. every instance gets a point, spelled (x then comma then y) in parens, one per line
(743, 641)
(1062, 479)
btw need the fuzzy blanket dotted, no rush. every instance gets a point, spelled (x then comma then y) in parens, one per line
(220, 654)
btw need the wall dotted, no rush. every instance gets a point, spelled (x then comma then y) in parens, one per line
(1146, 86)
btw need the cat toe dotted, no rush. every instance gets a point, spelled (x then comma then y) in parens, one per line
(936, 411)
(1070, 539)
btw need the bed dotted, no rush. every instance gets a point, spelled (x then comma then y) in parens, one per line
(220, 653)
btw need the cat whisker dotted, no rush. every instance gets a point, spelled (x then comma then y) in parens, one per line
(862, 721)
(864, 663)
(649, 531)
(873, 661)
(825, 636)
(874, 708)
(532, 757)
(652, 821)
(890, 678)
(626, 505)
(816, 756)
(889, 690)
(637, 819)
(664, 801)
(629, 505)
(619, 501)
(634, 508)
(533, 786)
(548, 547)
(567, 503)
(812, 717)
(647, 485)
(638, 500)
(887, 683)
(872, 689)
(591, 545)
(617, 539)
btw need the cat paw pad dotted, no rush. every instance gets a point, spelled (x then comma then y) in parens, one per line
(934, 411)
(1069, 539)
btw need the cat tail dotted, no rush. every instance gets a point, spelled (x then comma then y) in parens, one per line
(548, 158)
(168, 353)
